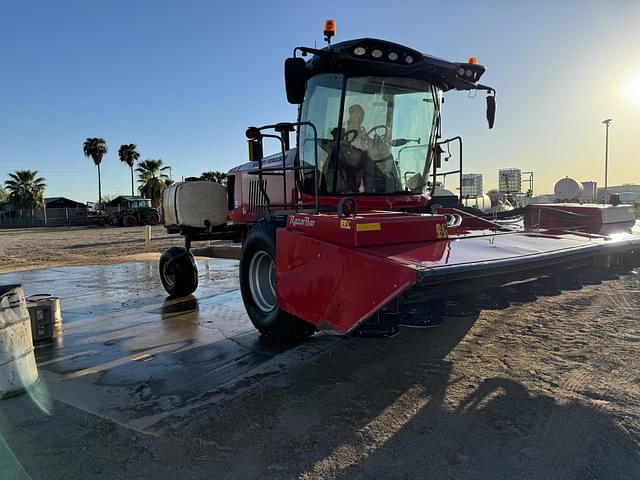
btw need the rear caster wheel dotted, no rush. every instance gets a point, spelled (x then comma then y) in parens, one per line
(153, 217)
(258, 287)
(178, 271)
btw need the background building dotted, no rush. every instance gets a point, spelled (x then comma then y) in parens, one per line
(629, 192)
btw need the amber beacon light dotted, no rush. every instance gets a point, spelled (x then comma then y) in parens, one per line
(329, 30)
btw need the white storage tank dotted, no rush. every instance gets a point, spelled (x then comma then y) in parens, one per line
(590, 192)
(568, 190)
(195, 204)
(481, 202)
(18, 369)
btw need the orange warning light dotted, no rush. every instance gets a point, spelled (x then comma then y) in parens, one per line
(472, 60)
(329, 28)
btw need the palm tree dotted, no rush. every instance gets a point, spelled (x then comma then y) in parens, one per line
(26, 189)
(214, 176)
(152, 180)
(4, 197)
(129, 155)
(96, 148)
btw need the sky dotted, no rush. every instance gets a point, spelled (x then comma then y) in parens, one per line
(183, 80)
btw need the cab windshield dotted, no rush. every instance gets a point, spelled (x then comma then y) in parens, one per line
(374, 134)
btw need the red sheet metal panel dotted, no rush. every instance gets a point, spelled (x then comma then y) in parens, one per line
(371, 228)
(487, 247)
(333, 286)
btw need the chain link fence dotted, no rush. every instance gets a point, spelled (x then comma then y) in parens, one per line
(44, 217)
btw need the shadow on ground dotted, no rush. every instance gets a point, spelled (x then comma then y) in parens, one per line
(400, 408)
(424, 404)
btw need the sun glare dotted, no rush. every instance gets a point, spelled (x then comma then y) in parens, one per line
(631, 89)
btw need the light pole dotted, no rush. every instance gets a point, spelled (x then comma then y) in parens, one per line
(606, 122)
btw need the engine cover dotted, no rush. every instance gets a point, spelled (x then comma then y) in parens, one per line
(194, 204)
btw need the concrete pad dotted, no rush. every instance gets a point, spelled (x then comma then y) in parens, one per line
(129, 353)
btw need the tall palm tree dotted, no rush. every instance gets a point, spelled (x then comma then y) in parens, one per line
(214, 176)
(96, 148)
(129, 155)
(26, 189)
(152, 180)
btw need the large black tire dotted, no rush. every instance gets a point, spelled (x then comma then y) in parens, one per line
(257, 285)
(178, 271)
(129, 221)
(152, 217)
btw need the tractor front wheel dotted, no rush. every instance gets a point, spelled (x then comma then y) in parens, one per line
(178, 271)
(258, 287)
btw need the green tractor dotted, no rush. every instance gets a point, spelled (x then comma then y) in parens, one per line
(129, 211)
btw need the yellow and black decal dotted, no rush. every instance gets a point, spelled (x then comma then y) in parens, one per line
(368, 227)
(345, 224)
(441, 231)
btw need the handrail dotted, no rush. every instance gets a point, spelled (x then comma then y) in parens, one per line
(284, 167)
(444, 174)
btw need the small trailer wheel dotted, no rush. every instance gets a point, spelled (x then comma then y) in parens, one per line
(178, 271)
(258, 288)
(153, 217)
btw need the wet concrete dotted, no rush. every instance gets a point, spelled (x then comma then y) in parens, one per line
(129, 353)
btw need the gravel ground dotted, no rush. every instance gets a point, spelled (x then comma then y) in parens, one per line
(22, 249)
(545, 390)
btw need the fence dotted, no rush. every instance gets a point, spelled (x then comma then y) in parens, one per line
(43, 217)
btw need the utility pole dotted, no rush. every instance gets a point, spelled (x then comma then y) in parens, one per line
(606, 122)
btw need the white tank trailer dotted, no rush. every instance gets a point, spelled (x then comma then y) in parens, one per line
(568, 190)
(195, 204)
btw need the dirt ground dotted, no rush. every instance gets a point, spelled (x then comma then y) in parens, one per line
(30, 248)
(544, 390)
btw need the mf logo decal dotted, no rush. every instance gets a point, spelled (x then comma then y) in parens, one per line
(441, 231)
(301, 221)
(346, 224)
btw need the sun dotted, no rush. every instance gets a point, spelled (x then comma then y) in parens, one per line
(630, 89)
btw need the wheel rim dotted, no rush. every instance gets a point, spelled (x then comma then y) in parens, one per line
(169, 273)
(262, 275)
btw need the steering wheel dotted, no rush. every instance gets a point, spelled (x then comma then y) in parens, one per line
(350, 136)
(378, 127)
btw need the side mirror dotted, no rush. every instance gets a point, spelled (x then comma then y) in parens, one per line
(255, 150)
(295, 79)
(491, 109)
